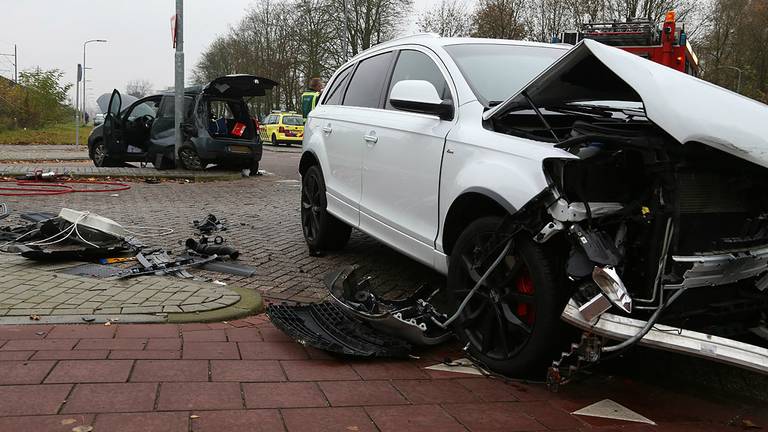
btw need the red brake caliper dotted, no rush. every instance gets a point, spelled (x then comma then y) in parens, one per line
(524, 285)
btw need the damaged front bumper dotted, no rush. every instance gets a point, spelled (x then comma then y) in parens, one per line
(672, 339)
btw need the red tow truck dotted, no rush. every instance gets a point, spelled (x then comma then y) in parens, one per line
(668, 45)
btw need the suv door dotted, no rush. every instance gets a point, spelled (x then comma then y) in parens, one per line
(353, 97)
(401, 162)
(112, 128)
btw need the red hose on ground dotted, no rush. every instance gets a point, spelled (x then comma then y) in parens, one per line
(41, 188)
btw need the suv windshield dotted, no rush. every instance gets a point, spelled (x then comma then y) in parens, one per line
(496, 72)
(293, 121)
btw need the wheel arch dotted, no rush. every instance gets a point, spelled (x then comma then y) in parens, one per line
(308, 159)
(471, 205)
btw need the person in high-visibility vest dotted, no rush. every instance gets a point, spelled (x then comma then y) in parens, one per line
(311, 95)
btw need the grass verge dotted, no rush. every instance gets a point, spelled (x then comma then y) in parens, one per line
(52, 134)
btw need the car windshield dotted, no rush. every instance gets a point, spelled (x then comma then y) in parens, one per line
(497, 71)
(293, 121)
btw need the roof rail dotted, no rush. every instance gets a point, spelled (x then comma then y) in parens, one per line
(415, 35)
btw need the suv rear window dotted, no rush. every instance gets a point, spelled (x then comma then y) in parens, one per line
(293, 121)
(368, 82)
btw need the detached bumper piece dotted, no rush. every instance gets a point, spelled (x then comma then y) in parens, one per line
(356, 323)
(327, 327)
(673, 339)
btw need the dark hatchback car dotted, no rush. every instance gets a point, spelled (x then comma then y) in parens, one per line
(217, 128)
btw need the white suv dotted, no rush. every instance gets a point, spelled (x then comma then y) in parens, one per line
(449, 149)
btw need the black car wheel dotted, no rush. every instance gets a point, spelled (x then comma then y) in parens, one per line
(274, 140)
(100, 156)
(512, 323)
(322, 231)
(189, 158)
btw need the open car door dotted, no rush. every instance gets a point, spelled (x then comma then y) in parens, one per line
(241, 85)
(112, 125)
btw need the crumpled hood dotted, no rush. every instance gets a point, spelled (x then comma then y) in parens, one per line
(687, 108)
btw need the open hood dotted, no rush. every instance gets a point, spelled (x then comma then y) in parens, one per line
(687, 108)
(125, 101)
(240, 85)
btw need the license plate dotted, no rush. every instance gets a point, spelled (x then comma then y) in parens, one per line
(239, 149)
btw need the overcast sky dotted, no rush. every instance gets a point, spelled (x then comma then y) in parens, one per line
(50, 34)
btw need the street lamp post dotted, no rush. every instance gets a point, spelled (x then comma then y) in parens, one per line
(84, 68)
(738, 82)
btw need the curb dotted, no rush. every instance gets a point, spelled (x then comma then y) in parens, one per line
(251, 303)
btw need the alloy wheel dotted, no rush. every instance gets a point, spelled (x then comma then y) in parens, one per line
(311, 207)
(498, 320)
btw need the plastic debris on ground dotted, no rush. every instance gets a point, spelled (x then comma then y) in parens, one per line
(356, 323)
(609, 409)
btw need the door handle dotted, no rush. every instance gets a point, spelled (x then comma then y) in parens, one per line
(371, 139)
(327, 129)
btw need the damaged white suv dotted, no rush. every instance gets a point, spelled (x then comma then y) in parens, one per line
(585, 184)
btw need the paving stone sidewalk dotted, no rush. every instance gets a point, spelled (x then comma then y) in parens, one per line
(43, 152)
(28, 288)
(245, 375)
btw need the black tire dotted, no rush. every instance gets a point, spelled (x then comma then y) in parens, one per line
(189, 159)
(274, 140)
(512, 323)
(254, 166)
(100, 155)
(322, 231)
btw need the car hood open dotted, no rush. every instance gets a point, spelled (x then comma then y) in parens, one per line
(125, 101)
(240, 85)
(687, 108)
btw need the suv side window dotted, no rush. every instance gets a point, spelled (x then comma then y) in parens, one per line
(336, 92)
(368, 82)
(415, 65)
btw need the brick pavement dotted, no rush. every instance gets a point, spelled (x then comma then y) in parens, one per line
(26, 289)
(245, 375)
(264, 224)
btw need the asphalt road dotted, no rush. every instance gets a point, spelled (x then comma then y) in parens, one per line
(283, 162)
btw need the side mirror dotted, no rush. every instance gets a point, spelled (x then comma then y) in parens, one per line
(420, 96)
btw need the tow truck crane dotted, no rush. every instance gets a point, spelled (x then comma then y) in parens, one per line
(668, 45)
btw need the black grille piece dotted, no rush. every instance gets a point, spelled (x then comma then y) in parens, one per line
(326, 327)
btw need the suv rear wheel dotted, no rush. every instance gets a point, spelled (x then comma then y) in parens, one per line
(322, 231)
(189, 158)
(512, 323)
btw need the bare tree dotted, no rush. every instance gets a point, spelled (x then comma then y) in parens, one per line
(138, 88)
(451, 18)
(500, 19)
(368, 22)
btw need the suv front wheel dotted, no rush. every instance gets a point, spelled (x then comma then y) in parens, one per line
(512, 322)
(322, 231)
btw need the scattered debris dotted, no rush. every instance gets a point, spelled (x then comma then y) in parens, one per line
(218, 282)
(4, 212)
(462, 365)
(229, 268)
(356, 323)
(210, 224)
(169, 267)
(212, 249)
(93, 270)
(88, 318)
(70, 235)
(34, 317)
(609, 409)
(743, 423)
(327, 327)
